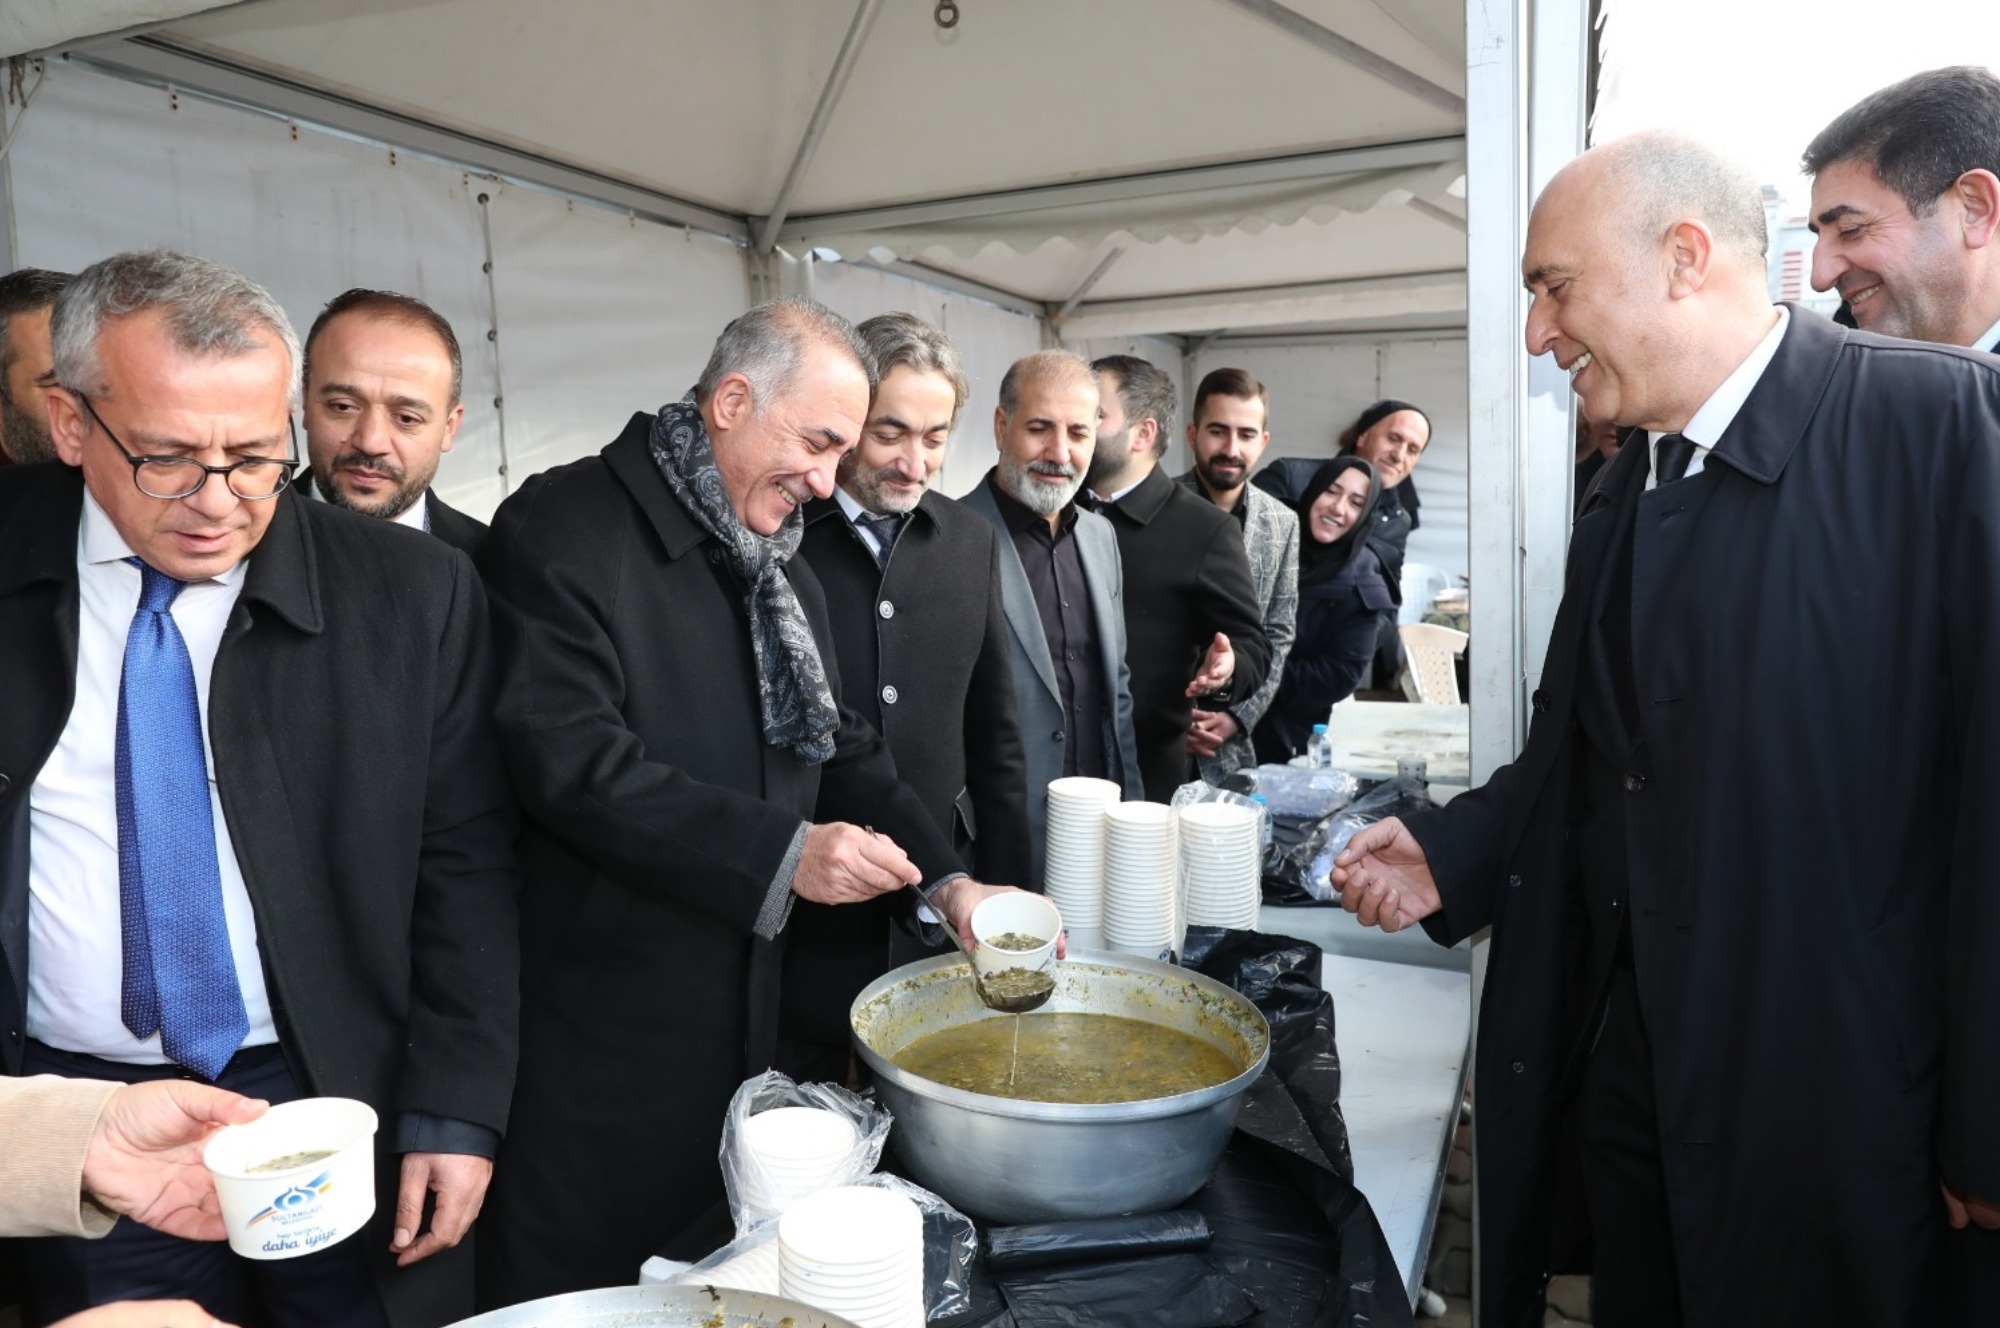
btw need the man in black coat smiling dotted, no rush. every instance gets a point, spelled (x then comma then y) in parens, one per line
(670, 707)
(1740, 1040)
(912, 583)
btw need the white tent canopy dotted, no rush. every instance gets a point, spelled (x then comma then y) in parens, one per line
(1019, 150)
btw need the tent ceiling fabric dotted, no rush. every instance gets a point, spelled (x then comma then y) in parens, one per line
(41, 25)
(707, 101)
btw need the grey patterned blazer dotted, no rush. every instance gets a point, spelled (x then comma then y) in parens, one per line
(1271, 537)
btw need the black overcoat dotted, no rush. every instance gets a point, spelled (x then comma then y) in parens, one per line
(928, 631)
(1337, 624)
(350, 717)
(1816, 638)
(1187, 577)
(657, 818)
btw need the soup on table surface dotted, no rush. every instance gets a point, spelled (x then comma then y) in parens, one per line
(1071, 1058)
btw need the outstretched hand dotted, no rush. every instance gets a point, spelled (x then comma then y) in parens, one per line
(1384, 879)
(144, 1159)
(1218, 666)
(1962, 1210)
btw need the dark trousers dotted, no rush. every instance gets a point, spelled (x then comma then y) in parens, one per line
(330, 1288)
(1633, 1279)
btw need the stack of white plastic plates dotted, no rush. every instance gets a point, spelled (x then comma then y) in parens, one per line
(1220, 865)
(793, 1152)
(1141, 880)
(753, 1270)
(1073, 875)
(857, 1252)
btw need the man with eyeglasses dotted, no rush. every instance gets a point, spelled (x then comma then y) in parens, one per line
(252, 831)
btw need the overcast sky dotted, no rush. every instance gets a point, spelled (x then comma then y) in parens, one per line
(1764, 76)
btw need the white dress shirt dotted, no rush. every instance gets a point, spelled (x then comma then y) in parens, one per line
(1706, 427)
(854, 511)
(76, 965)
(1987, 339)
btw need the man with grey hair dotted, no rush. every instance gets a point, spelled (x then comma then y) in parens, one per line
(1061, 586)
(206, 878)
(1906, 205)
(1192, 618)
(1740, 1038)
(912, 584)
(27, 364)
(672, 711)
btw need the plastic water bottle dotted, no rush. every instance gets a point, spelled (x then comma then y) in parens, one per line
(1263, 821)
(1319, 749)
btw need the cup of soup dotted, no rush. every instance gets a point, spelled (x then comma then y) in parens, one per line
(299, 1178)
(1014, 930)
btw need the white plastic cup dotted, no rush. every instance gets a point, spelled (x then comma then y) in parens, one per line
(282, 1214)
(1015, 911)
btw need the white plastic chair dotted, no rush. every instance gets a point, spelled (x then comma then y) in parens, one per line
(1420, 584)
(1432, 678)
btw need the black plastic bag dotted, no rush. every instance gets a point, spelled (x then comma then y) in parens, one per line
(1186, 1290)
(1086, 1240)
(1300, 1238)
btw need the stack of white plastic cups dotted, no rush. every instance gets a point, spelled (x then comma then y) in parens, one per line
(793, 1153)
(856, 1252)
(1222, 875)
(1141, 880)
(1073, 874)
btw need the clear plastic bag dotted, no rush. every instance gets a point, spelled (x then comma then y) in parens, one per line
(1298, 793)
(750, 1262)
(1300, 865)
(759, 1192)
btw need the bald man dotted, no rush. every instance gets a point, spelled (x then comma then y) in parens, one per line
(1061, 584)
(1738, 1050)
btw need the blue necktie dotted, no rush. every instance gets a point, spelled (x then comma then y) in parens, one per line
(885, 529)
(180, 977)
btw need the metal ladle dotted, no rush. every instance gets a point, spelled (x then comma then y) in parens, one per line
(1005, 1004)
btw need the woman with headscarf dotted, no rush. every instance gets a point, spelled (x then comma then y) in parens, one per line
(1342, 595)
(1390, 435)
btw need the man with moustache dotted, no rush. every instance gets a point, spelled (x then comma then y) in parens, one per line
(1906, 205)
(1738, 1046)
(912, 584)
(383, 379)
(1061, 585)
(671, 710)
(1228, 430)
(201, 877)
(27, 364)
(1192, 615)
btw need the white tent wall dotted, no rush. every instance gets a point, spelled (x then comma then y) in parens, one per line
(1316, 391)
(102, 165)
(600, 315)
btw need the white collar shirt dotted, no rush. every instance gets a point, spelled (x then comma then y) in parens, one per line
(1987, 339)
(75, 972)
(1707, 425)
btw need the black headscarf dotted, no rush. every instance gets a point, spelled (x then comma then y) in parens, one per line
(1318, 562)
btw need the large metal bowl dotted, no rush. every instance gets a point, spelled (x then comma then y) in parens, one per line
(1009, 1161)
(658, 1307)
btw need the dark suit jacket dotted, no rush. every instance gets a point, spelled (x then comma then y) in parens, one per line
(447, 523)
(1186, 578)
(1037, 696)
(930, 631)
(351, 724)
(657, 820)
(1824, 953)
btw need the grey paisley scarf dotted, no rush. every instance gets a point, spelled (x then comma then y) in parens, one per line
(797, 702)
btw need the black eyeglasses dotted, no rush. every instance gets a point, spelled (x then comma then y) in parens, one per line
(252, 479)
